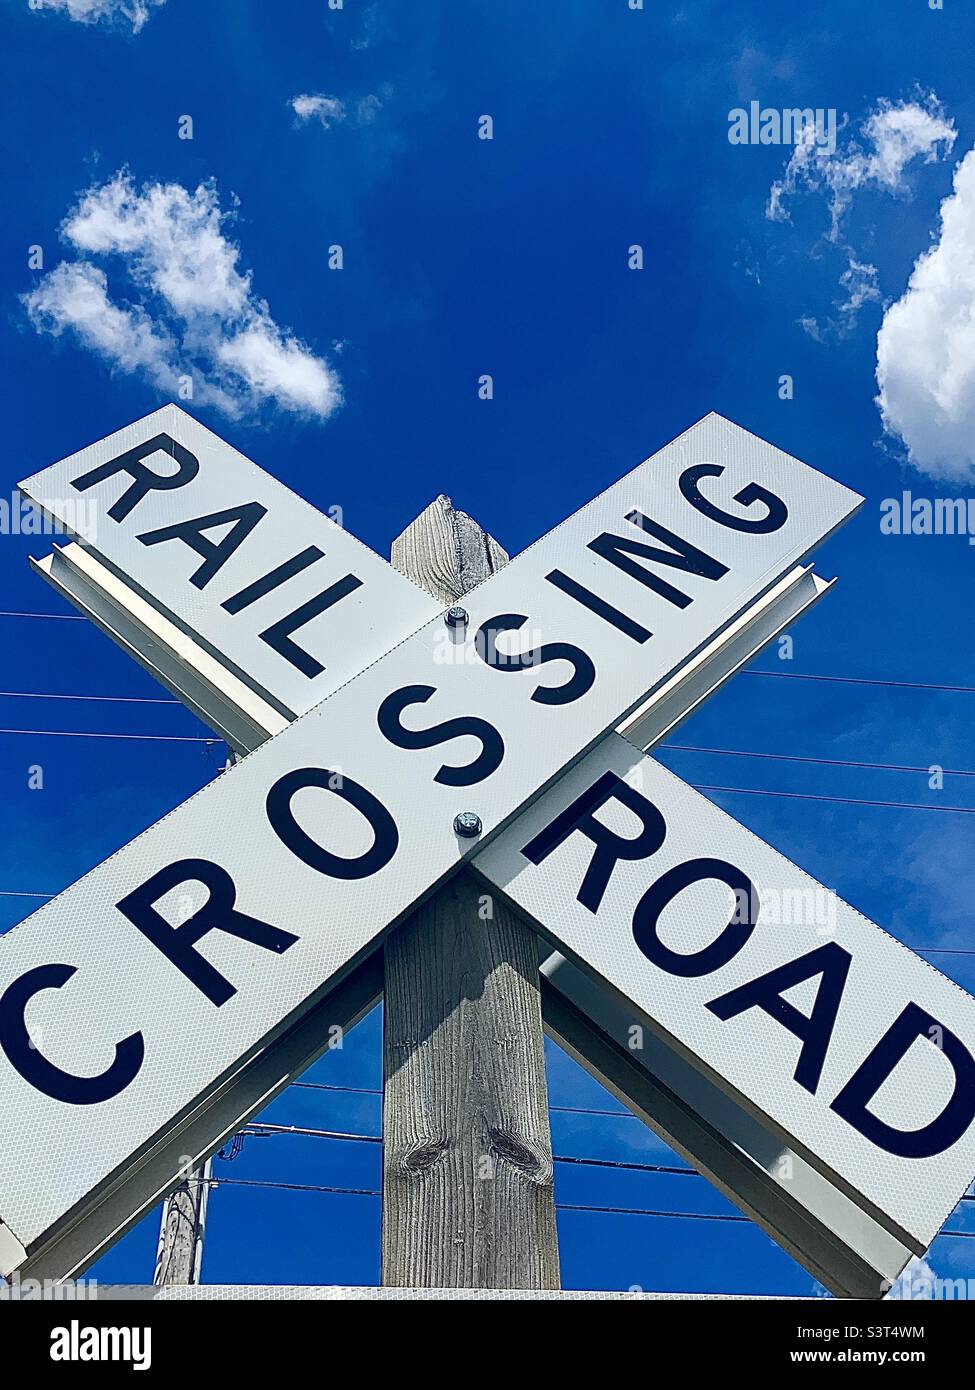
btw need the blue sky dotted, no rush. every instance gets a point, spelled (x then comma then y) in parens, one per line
(358, 387)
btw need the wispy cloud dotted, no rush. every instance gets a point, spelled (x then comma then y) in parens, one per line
(894, 136)
(194, 312)
(860, 285)
(133, 12)
(329, 111)
(76, 294)
(326, 110)
(926, 346)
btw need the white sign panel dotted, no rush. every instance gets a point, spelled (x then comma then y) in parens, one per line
(295, 606)
(290, 601)
(128, 997)
(854, 1049)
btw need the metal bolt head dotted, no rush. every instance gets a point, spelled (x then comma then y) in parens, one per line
(456, 616)
(467, 824)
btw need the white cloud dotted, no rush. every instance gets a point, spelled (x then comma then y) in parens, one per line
(892, 138)
(369, 107)
(861, 286)
(895, 135)
(274, 364)
(173, 240)
(327, 110)
(198, 315)
(859, 280)
(75, 295)
(134, 12)
(926, 346)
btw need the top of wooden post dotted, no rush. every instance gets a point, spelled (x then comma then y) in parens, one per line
(446, 552)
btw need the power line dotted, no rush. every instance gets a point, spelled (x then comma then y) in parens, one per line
(629, 1165)
(294, 1186)
(646, 1211)
(700, 786)
(560, 1206)
(321, 1086)
(58, 617)
(582, 1110)
(822, 762)
(840, 800)
(377, 1091)
(106, 699)
(258, 1129)
(78, 733)
(861, 680)
(878, 681)
(725, 1217)
(673, 747)
(697, 1216)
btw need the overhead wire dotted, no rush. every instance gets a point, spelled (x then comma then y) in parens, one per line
(730, 1218)
(837, 800)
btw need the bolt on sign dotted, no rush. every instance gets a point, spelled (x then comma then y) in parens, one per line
(420, 745)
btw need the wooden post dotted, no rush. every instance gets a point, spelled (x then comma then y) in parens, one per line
(468, 1200)
(181, 1231)
(179, 1253)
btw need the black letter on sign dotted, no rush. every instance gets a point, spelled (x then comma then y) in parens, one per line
(583, 672)
(492, 745)
(776, 515)
(278, 635)
(144, 480)
(682, 556)
(279, 575)
(866, 1081)
(724, 947)
(43, 1075)
(814, 1031)
(610, 847)
(607, 611)
(290, 833)
(214, 554)
(217, 914)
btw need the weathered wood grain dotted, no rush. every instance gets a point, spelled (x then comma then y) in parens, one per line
(467, 1170)
(181, 1230)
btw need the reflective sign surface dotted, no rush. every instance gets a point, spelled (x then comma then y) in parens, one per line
(129, 996)
(857, 1050)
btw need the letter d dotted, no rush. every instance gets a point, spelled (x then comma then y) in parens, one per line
(945, 1129)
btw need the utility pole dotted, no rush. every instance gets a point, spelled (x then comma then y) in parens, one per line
(180, 1251)
(179, 1254)
(468, 1199)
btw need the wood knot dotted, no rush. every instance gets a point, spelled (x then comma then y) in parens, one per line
(422, 1155)
(524, 1155)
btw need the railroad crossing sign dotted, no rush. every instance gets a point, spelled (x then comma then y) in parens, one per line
(407, 742)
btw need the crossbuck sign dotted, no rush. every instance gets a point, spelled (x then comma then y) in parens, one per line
(398, 743)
